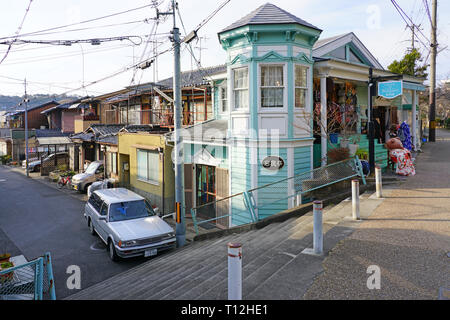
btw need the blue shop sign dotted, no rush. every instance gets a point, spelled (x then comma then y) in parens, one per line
(390, 89)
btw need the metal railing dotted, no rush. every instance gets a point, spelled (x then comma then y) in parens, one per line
(163, 117)
(28, 281)
(256, 204)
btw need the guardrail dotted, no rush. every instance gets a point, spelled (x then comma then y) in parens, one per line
(28, 281)
(258, 203)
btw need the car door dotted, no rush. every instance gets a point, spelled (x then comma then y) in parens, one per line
(103, 221)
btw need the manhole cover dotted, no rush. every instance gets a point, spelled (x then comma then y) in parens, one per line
(98, 246)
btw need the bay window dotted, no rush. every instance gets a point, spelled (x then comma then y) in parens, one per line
(148, 166)
(301, 86)
(272, 86)
(241, 97)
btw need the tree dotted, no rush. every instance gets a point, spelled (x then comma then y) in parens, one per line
(410, 65)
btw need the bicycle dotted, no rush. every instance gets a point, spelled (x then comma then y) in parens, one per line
(65, 181)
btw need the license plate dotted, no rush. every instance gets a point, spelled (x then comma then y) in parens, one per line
(151, 253)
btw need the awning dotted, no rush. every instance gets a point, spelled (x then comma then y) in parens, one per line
(53, 141)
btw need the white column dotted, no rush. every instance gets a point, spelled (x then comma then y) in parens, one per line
(414, 120)
(323, 119)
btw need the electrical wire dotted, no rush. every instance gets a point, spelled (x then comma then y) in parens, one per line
(18, 31)
(62, 56)
(77, 23)
(403, 15)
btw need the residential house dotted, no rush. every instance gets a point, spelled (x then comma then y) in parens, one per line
(64, 116)
(36, 120)
(5, 142)
(145, 164)
(87, 147)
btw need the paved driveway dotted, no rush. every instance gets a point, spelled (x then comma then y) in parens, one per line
(36, 218)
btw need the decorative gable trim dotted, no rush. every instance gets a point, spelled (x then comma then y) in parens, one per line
(344, 40)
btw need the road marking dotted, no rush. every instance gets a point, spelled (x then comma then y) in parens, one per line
(2, 180)
(98, 246)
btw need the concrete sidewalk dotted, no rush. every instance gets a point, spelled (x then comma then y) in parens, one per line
(407, 236)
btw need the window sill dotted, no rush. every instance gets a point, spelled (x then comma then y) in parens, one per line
(153, 183)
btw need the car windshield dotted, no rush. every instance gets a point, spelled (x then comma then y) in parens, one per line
(128, 211)
(92, 168)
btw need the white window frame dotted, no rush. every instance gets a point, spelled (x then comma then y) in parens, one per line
(246, 109)
(223, 86)
(146, 180)
(308, 88)
(284, 109)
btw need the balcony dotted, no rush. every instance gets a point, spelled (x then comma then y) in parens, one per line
(82, 122)
(164, 118)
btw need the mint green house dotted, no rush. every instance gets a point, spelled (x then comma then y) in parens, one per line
(262, 132)
(276, 74)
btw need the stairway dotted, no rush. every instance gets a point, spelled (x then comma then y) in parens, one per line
(273, 266)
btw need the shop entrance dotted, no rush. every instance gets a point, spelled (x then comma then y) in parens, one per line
(206, 190)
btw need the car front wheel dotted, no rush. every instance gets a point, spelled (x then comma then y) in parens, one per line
(112, 252)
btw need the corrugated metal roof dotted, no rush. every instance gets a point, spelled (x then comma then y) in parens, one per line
(268, 14)
(53, 140)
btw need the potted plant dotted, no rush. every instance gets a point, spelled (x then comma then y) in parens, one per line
(6, 276)
(5, 257)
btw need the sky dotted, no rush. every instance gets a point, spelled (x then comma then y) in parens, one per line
(51, 69)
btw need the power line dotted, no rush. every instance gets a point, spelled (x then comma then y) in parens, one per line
(18, 31)
(62, 56)
(93, 41)
(403, 15)
(77, 23)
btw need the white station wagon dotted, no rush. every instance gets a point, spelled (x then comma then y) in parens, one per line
(127, 224)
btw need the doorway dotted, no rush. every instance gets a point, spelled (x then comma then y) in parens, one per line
(206, 190)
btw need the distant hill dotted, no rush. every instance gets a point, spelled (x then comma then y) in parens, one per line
(11, 102)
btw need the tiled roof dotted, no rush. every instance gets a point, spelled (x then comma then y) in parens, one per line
(144, 128)
(268, 14)
(47, 133)
(194, 78)
(105, 129)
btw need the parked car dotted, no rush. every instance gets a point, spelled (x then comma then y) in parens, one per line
(34, 165)
(127, 224)
(93, 173)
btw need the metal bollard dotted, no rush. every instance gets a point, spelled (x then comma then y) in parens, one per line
(234, 271)
(379, 183)
(299, 199)
(355, 200)
(318, 232)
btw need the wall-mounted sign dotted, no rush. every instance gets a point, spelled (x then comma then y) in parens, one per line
(273, 163)
(390, 89)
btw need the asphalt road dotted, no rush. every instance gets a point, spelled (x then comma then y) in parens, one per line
(36, 218)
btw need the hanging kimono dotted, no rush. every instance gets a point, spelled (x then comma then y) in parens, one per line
(404, 133)
(404, 163)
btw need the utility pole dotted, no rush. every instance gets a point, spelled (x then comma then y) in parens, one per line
(434, 44)
(178, 150)
(26, 127)
(370, 125)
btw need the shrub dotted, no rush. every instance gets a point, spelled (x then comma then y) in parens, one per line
(338, 154)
